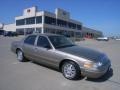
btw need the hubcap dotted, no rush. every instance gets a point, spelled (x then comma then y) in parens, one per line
(19, 55)
(69, 71)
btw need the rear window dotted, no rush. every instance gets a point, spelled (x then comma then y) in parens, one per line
(30, 40)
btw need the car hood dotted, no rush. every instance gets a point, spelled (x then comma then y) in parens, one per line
(83, 52)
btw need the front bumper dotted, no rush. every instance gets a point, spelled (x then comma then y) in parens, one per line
(95, 73)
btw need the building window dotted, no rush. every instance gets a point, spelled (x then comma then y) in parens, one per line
(50, 20)
(20, 31)
(30, 20)
(38, 19)
(79, 27)
(66, 33)
(60, 32)
(64, 13)
(50, 30)
(70, 34)
(20, 22)
(72, 25)
(46, 30)
(29, 30)
(38, 30)
(78, 34)
(61, 23)
(28, 10)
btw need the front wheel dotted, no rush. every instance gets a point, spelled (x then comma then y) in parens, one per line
(70, 70)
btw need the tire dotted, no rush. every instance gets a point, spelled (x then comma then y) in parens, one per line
(71, 70)
(20, 56)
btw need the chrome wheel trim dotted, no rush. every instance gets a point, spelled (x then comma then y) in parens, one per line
(69, 70)
(20, 55)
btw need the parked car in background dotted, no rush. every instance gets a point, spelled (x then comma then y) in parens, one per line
(102, 39)
(14, 34)
(118, 39)
(60, 53)
(10, 34)
(2, 32)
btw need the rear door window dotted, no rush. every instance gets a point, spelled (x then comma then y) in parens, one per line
(30, 40)
(43, 42)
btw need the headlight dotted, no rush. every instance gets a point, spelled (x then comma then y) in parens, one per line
(92, 65)
(88, 64)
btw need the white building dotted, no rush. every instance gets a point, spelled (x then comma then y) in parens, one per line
(1, 25)
(59, 22)
(10, 27)
(91, 33)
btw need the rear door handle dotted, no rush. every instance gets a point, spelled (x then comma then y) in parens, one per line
(36, 49)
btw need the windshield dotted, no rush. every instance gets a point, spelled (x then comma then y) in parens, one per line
(60, 41)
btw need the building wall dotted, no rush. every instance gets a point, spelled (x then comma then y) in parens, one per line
(10, 27)
(46, 25)
(1, 25)
(30, 12)
(91, 33)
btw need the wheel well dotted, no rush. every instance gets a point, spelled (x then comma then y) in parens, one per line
(17, 49)
(63, 61)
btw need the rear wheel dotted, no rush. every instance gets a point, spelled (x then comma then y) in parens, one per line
(20, 56)
(70, 70)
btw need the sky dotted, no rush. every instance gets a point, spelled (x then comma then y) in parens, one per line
(103, 15)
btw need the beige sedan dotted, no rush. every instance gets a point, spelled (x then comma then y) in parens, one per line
(58, 52)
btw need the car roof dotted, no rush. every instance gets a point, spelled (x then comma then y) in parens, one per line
(45, 34)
